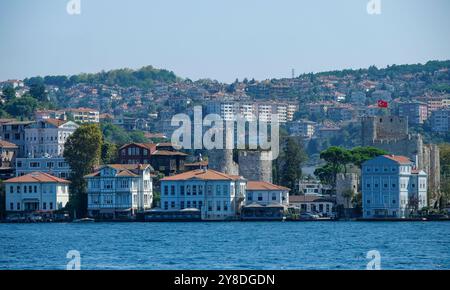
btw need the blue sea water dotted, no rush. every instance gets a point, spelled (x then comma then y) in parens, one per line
(231, 245)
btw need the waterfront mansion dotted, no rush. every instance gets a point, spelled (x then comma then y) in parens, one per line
(119, 190)
(36, 191)
(217, 195)
(392, 187)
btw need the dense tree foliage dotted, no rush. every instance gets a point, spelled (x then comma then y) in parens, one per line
(83, 152)
(337, 159)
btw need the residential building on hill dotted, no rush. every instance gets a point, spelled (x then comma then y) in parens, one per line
(84, 115)
(8, 153)
(162, 157)
(56, 166)
(47, 137)
(416, 112)
(119, 190)
(14, 131)
(392, 187)
(440, 120)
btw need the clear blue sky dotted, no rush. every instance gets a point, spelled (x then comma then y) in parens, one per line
(218, 39)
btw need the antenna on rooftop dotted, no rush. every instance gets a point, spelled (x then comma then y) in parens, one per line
(293, 73)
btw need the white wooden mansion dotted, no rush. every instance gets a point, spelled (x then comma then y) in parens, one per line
(217, 195)
(116, 190)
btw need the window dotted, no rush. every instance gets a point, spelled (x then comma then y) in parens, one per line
(274, 196)
(218, 207)
(249, 197)
(218, 192)
(188, 190)
(181, 204)
(194, 189)
(18, 206)
(172, 190)
(172, 204)
(260, 198)
(188, 204)
(200, 190)
(194, 204)
(44, 205)
(11, 206)
(166, 190)
(181, 189)
(166, 205)
(393, 201)
(11, 189)
(368, 185)
(368, 201)
(225, 205)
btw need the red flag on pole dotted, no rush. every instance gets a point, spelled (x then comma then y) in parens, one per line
(382, 104)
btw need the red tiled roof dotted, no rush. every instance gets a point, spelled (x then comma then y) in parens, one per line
(6, 144)
(399, 159)
(36, 177)
(208, 174)
(263, 185)
(308, 198)
(149, 146)
(123, 169)
(168, 153)
(55, 122)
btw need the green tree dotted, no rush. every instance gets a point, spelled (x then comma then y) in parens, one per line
(9, 93)
(109, 153)
(362, 154)
(291, 169)
(38, 92)
(23, 107)
(82, 152)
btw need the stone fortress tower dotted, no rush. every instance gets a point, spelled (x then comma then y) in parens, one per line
(391, 133)
(254, 165)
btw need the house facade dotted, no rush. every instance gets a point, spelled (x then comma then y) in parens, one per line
(162, 157)
(217, 195)
(14, 131)
(36, 191)
(265, 193)
(47, 137)
(392, 187)
(313, 204)
(8, 153)
(56, 166)
(119, 190)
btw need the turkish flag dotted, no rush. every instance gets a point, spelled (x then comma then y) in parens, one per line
(382, 104)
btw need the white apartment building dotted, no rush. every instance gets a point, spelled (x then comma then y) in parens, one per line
(262, 111)
(391, 187)
(303, 128)
(217, 195)
(119, 190)
(47, 137)
(440, 120)
(85, 115)
(265, 193)
(36, 191)
(56, 166)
